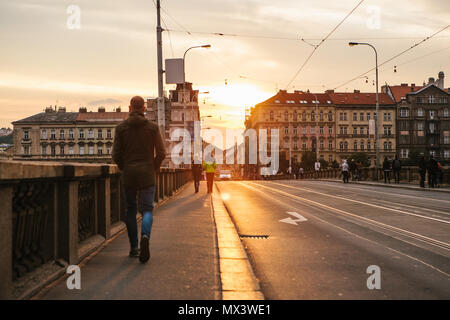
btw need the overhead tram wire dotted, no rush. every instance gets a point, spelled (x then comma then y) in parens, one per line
(321, 42)
(395, 56)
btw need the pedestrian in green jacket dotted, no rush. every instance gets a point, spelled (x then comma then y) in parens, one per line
(210, 168)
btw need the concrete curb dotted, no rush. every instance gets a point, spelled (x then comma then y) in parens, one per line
(398, 186)
(236, 274)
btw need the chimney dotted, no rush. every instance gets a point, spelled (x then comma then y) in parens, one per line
(62, 109)
(82, 110)
(101, 109)
(329, 91)
(404, 84)
(118, 109)
(430, 80)
(356, 91)
(413, 84)
(440, 81)
(48, 109)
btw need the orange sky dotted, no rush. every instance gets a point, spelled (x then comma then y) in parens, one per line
(113, 55)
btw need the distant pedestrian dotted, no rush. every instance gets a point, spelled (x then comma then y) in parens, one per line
(345, 172)
(138, 151)
(210, 169)
(438, 175)
(352, 168)
(196, 174)
(433, 167)
(300, 172)
(316, 169)
(396, 167)
(422, 171)
(387, 170)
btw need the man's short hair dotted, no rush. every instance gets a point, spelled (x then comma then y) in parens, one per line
(137, 103)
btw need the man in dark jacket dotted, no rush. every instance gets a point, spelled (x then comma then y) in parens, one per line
(433, 168)
(386, 170)
(138, 151)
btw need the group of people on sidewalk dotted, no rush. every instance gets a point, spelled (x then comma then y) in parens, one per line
(433, 168)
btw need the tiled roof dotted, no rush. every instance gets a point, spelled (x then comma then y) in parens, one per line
(297, 97)
(400, 91)
(348, 98)
(44, 117)
(102, 116)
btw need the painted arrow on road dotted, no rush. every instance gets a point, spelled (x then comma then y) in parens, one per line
(298, 216)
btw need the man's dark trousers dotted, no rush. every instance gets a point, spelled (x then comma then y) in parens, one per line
(144, 203)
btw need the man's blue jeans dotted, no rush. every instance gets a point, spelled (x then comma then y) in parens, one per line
(144, 202)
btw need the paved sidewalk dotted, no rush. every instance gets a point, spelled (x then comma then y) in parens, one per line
(183, 263)
(390, 185)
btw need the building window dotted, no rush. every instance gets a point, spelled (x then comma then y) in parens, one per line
(295, 130)
(387, 131)
(108, 133)
(61, 134)
(355, 116)
(91, 150)
(362, 145)
(420, 112)
(53, 150)
(330, 116)
(81, 134)
(361, 131)
(355, 131)
(355, 145)
(330, 130)
(70, 150)
(431, 99)
(404, 153)
(91, 134)
(52, 134)
(108, 149)
(368, 145)
(385, 145)
(295, 145)
(330, 144)
(286, 130)
(312, 130)
(70, 133)
(446, 154)
(303, 130)
(432, 127)
(44, 150)
(321, 130)
(404, 112)
(420, 126)
(61, 150)
(286, 116)
(341, 146)
(432, 113)
(321, 144)
(341, 116)
(321, 116)
(368, 116)
(304, 145)
(345, 116)
(26, 150)
(44, 134)
(26, 135)
(100, 150)
(446, 112)
(313, 116)
(346, 146)
(100, 134)
(446, 139)
(81, 150)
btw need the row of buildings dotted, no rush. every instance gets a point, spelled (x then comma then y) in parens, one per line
(87, 136)
(341, 123)
(338, 124)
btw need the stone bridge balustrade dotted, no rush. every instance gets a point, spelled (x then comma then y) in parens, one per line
(52, 211)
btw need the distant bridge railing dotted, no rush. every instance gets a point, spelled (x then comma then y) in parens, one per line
(407, 175)
(55, 214)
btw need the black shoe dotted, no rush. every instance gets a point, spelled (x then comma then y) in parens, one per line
(145, 250)
(134, 253)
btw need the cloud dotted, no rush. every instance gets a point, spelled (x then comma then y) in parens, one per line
(104, 101)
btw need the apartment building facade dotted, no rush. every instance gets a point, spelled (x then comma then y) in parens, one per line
(306, 121)
(355, 125)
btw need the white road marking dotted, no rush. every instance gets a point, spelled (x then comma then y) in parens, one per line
(289, 220)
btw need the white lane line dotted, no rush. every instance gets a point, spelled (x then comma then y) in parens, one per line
(391, 194)
(349, 232)
(403, 232)
(363, 203)
(298, 216)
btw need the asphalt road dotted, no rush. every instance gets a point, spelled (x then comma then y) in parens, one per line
(323, 236)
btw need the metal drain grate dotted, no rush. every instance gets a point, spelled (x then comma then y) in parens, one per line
(254, 236)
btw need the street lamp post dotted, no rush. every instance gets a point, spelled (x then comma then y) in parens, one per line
(184, 85)
(377, 135)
